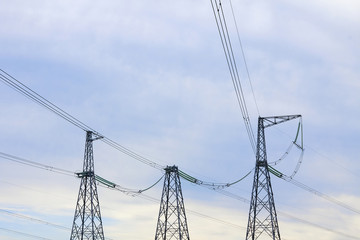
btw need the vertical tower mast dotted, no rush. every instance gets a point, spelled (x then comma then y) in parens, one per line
(87, 223)
(172, 223)
(262, 214)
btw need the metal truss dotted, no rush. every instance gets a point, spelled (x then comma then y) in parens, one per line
(87, 223)
(263, 223)
(172, 223)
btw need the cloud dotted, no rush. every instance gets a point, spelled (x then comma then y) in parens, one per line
(152, 76)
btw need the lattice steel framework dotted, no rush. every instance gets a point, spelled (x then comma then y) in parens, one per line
(262, 214)
(172, 223)
(87, 223)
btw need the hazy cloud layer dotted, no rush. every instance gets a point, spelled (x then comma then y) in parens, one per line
(153, 77)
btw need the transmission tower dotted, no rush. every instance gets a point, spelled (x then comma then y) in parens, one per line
(262, 214)
(87, 223)
(172, 222)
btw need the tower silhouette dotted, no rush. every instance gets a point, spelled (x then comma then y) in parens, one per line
(87, 223)
(172, 223)
(262, 214)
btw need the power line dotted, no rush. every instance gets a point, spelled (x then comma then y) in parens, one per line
(32, 95)
(39, 221)
(131, 193)
(231, 63)
(36, 164)
(132, 153)
(10, 213)
(24, 234)
(232, 67)
(352, 171)
(212, 186)
(99, 179)
(42, 101)
(312, 190)
(318, 226)
(139, 193)
(29, 93)
(244, 58)
(107, 184)
(244, 200)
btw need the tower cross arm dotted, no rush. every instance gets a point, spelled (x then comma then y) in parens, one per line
(274, 120)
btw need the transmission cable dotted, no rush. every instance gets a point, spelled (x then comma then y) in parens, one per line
(231, 62)
(13, 214)
(299, 137)
(211, 185)
(36, 164)
(217, 188)
(247, 201)
(312, 190)
(139, 193)
(244, 58)
(99, 179)
(128, 192)
(29, 93)
(24, 234)
(318, 226)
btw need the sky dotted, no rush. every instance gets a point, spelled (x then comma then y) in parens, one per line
(152, 76)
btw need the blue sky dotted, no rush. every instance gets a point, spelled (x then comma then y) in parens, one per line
(152, 76)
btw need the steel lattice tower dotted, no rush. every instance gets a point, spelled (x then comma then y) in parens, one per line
(172, 222)
(262, 214)
(87, 223)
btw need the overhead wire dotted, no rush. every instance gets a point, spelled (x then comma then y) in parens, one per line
(13, 214)
(244, 200)
(35, 164)
(24, 90)
(353, 171)
(232, 67)
(303, 186)
(320, 194)
(29, 93)
(332, 230)
(211, 185)
(36, 220)
(126, 191)
(244, 58)
(24, 234)
(132, 154)
(132, 192)
(140, 194)
(194, 180)
(247, 201)
(99, 179)
(300, 145)
(84, 127)
(317, 152)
